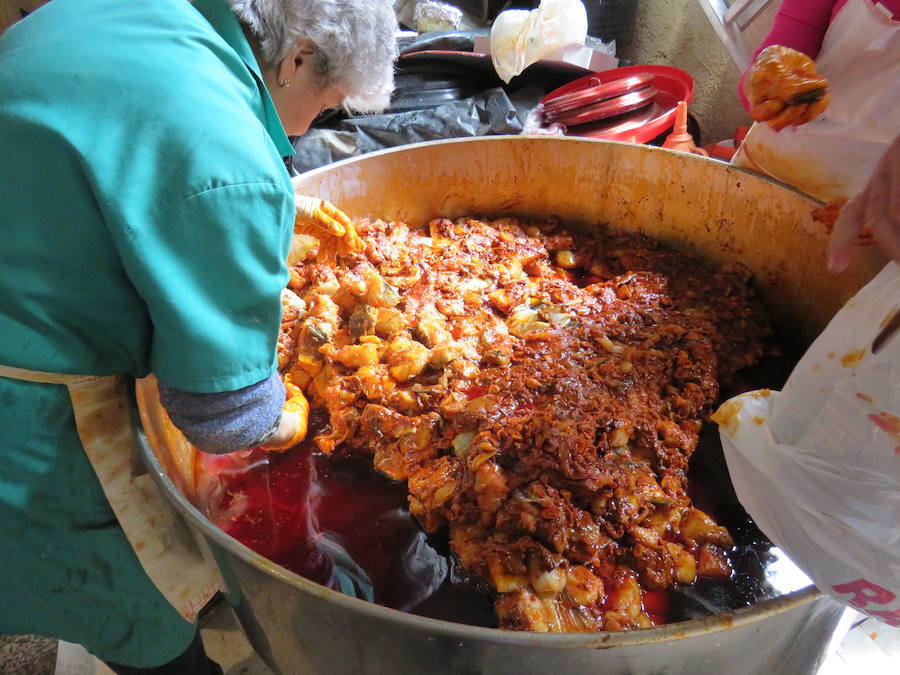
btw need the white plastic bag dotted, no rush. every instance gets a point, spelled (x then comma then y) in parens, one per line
(535, 126)
(430, 15)
(817, 465)
(520, 37)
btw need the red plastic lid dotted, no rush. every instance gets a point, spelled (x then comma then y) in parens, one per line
(612, 107)
(640, 125)
(594, 94)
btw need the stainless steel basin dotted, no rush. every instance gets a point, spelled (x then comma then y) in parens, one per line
(717, 212)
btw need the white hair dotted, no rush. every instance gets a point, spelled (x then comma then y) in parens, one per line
(355, 45)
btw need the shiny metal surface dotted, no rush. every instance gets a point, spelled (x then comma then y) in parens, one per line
(714, 211)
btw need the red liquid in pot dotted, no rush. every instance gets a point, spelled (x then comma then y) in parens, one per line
(287, 503)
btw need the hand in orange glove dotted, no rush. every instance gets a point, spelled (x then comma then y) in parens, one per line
(294, 419)
(785, 89)
(327, 223)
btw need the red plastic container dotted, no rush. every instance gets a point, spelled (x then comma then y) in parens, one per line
(639, 126)
(614, 107)
(594, 93)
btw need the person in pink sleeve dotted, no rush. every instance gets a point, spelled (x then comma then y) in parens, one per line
(801, 25)
(856, 48)
(876, 207)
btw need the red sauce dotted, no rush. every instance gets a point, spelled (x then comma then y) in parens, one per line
(656, 604)
(476, 391)
(287, 502)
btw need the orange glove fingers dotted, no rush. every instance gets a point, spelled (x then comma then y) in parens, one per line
(785, 89)
(333, 226)
(317, 227)
(315, 214)
(327, 223)
(792, 115)
(291, 390)
(333, 211)
(351, 242)
(297, 408)
(766, 110)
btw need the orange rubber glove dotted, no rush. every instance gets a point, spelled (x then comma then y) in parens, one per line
(327, 223)
(784, 88)
(296, 411)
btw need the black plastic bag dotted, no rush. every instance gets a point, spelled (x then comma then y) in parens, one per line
(489, 112)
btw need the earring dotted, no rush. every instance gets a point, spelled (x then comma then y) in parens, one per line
(286, 83)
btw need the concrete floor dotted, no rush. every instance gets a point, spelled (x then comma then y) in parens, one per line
(34, 655)
(27, 655)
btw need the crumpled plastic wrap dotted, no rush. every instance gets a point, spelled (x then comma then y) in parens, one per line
(490, 112)
(535, 125)
(520, 37)
(817, 465)
(448, 40)
(429, 15)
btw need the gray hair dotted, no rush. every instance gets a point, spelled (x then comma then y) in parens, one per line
(354, 42)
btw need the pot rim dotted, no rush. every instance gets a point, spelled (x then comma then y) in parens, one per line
(553, 139)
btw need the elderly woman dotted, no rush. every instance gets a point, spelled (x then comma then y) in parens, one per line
(145, 215)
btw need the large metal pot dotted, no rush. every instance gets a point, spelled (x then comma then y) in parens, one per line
(716, 212)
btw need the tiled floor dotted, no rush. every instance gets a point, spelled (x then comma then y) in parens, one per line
(868, 647)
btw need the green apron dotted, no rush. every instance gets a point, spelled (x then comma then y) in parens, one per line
(145, 215)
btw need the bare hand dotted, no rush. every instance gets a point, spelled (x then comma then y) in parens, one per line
(877, 207)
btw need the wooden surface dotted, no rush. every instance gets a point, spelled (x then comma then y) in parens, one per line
(11, 10)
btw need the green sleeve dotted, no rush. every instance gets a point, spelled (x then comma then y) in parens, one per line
(210, 269)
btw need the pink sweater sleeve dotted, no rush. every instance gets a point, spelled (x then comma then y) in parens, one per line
(800, 25)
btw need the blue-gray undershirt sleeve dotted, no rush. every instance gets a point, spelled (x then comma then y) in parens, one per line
(226, 421)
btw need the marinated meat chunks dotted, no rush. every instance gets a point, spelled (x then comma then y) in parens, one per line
(540, 391)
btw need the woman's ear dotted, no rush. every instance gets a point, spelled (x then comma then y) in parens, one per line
(297, 58)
